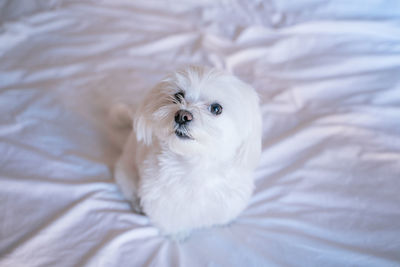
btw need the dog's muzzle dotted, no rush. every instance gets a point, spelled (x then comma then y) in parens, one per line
(182, 119)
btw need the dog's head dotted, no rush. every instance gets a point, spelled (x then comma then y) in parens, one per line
(204, 112)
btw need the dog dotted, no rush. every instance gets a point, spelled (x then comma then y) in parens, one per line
(188, 162)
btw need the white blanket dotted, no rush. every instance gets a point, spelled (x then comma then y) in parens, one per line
(328, 74)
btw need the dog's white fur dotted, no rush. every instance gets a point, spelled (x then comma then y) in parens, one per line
(185, 184)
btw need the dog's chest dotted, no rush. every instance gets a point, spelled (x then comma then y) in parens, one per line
(174, 193)
(174, 180)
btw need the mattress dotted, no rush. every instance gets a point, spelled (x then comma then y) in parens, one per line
(328, 76)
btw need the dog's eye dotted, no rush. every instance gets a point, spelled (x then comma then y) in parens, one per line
(179, 96)
(216, 109)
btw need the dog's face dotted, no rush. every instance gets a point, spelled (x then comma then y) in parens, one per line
(201, 112)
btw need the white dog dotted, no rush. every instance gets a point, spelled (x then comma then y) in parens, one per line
(189, 161)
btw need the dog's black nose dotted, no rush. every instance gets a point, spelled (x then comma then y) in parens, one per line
(183, 116)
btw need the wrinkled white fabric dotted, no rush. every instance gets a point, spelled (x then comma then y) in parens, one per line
(328, 74)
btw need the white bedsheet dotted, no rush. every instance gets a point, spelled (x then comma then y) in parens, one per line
(328, 74)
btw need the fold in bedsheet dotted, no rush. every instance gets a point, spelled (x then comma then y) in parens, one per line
(328, 75)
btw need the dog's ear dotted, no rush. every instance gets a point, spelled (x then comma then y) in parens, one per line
(144, 117)
(250, 150)
(142, 125)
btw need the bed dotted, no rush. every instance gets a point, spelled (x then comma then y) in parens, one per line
(328, 75)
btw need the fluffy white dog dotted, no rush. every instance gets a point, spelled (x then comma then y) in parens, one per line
(188, 163)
